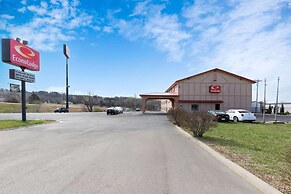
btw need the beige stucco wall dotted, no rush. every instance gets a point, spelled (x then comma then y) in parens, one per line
(235, 92)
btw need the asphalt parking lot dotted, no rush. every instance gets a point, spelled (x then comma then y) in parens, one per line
(96, 153)
(271, 117)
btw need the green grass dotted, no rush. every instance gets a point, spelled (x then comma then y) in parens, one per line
(264, 149)
(15, 107)
(6, 124)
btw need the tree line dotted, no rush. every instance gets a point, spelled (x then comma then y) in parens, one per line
(89, 100)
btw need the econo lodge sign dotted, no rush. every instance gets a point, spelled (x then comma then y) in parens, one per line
(16, 53)
(215, 89)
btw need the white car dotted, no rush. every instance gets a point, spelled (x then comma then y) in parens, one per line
(241, 115)
(120, 110)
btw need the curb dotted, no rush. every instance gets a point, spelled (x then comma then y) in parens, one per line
(255, 181)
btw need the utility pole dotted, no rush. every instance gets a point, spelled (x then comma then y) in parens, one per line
(264, 110)
(277, 100)
(256, 110)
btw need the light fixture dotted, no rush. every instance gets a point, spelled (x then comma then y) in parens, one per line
(25, 42)
(18, 39)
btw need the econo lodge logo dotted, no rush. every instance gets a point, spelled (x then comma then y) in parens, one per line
(214, 89)
(24, 51)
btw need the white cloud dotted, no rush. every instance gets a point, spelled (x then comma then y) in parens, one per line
(107, 29)
(62, 90)
(23, 2)
(37, 10)
(21, 10)
(51, 24)
(6, 17)
(140, 8)
(252, 38)
(148, 22)
(59, 89)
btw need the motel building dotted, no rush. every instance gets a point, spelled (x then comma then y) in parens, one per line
(215, 89)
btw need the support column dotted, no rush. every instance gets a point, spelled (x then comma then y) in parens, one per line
(143, 104)
(176, 103)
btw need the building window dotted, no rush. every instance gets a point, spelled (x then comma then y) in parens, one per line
(217, 106)
(194, 107)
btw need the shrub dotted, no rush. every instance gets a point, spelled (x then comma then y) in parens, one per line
(177, 116)
(199, 123)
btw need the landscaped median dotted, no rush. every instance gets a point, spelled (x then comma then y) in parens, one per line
(8, 124)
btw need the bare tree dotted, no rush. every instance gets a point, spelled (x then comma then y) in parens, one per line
(89, 101)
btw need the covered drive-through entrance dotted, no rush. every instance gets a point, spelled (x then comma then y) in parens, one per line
(174, 98)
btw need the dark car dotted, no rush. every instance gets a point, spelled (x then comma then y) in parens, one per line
(220, 116)
(61, 109)
(112, 111)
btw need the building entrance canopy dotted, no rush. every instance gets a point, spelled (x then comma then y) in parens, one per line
(174, 98)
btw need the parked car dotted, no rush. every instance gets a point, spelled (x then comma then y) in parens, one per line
(119, 109)
(241, 115)
(112, 111)
(220, 115)
(61, 109)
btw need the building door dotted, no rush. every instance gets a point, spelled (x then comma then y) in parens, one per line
(217, 106)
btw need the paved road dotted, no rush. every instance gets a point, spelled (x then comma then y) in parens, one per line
(271, 117)
(96, 153)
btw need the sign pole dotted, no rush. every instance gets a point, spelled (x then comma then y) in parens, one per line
(66, 51)
(17, 53)
(67, 84)
(23, 98)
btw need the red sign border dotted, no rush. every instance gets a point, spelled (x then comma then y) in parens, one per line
(8, 51)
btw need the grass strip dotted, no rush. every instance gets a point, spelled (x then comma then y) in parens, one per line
(263, 149)
(6, 124)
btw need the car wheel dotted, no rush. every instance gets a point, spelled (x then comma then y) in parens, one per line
(235, 119)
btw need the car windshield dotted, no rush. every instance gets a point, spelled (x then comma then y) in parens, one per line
(243, 111)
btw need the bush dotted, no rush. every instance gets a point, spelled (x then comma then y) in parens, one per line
(177, 116)
(197, 122)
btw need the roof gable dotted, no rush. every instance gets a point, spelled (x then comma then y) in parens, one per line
(206, 72)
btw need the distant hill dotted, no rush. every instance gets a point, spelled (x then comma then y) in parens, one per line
(59, 98)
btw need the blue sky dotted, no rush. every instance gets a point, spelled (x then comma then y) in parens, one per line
(127, 47)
